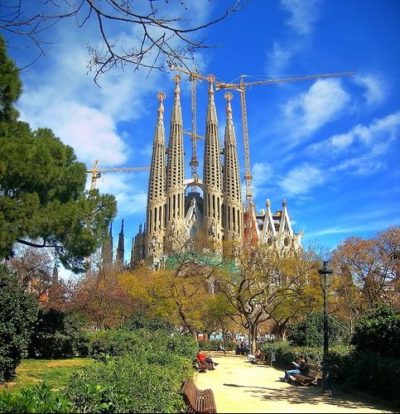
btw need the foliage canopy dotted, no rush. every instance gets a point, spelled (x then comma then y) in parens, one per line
(43, 202)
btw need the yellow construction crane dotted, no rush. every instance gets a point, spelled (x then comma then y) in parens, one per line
(96, 172)
(241, 88)
(193, 78)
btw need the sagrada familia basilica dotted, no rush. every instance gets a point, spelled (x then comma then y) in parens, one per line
(179, 209)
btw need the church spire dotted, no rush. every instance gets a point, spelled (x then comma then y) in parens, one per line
(156, 198)
(107, 250)
(212, 177)
(175, 172)
(119, 260)
(232, 211)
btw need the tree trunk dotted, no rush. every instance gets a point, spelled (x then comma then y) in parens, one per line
(253, 338)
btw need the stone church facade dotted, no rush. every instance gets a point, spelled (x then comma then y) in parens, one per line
(179, 209)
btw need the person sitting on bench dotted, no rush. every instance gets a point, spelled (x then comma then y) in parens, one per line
(301, 367)
(202, 358)
(253, 358)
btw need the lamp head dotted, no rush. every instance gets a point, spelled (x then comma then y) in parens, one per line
(325, 274)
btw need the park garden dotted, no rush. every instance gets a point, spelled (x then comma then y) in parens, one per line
(123, 340)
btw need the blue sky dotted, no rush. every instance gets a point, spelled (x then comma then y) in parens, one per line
(330, 146)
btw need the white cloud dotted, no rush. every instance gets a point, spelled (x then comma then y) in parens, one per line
(262, 173)
(90, 132)
(130, 190)
(303, 14)
(278, 58)
(375, 137)
(302, 179)
(320, 105)
(375, 88)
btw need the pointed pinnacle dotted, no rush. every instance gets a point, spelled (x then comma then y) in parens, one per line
(177, 79)
(161, 96)
(228, 96)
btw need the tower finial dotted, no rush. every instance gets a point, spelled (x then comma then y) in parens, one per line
(284, 203)
(161, 97)
(228, 96)
(177, 80)
(211, 80)
(268, 203)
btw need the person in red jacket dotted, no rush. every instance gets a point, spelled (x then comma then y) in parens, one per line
(203, 358)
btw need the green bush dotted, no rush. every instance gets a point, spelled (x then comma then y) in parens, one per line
(309, 332)
(142, 321)
(214, 345)
(378, 330)
(18, 312)
(286, 353)
(131, 384)
(38, 399)
(57, 335)
(370, 373)
(118, 342)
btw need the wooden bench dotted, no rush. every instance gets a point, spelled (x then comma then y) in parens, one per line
(198, 401)
(311, 379)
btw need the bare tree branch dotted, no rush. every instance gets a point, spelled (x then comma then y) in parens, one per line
(161, 39)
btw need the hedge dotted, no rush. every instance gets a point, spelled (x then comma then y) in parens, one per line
(118, 342)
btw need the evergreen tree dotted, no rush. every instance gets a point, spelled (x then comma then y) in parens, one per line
(43, 202)
(10, 85)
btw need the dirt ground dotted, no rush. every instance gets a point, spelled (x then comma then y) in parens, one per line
(241, 387)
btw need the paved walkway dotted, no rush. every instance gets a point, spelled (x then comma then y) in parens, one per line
(241, 387)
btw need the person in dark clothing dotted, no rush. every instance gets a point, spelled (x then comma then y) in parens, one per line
(301, 367)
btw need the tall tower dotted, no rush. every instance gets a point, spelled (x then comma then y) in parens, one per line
(119, 260)
(156, 197)
(107, 250)
(212, 175)
(232, 207)
(175, 189)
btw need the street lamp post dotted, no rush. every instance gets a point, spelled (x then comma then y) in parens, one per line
(325, 274)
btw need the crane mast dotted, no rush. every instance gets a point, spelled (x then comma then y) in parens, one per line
(194, 163)
(193, 78)
(241, 88)
(248, 177)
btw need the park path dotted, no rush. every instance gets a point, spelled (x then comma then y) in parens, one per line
(241, 387)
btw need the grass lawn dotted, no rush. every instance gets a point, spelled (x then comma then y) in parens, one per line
(55, 371)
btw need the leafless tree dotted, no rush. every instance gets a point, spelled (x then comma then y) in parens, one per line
(160, 36)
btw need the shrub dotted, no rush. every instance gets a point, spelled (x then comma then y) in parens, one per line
(378, 331)
(18, 312)
(57, 335)
(371, 373)
(118, 342)
(38, 399)
(140, 320)
(131, 384)
(285, 353)
(309, 332)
